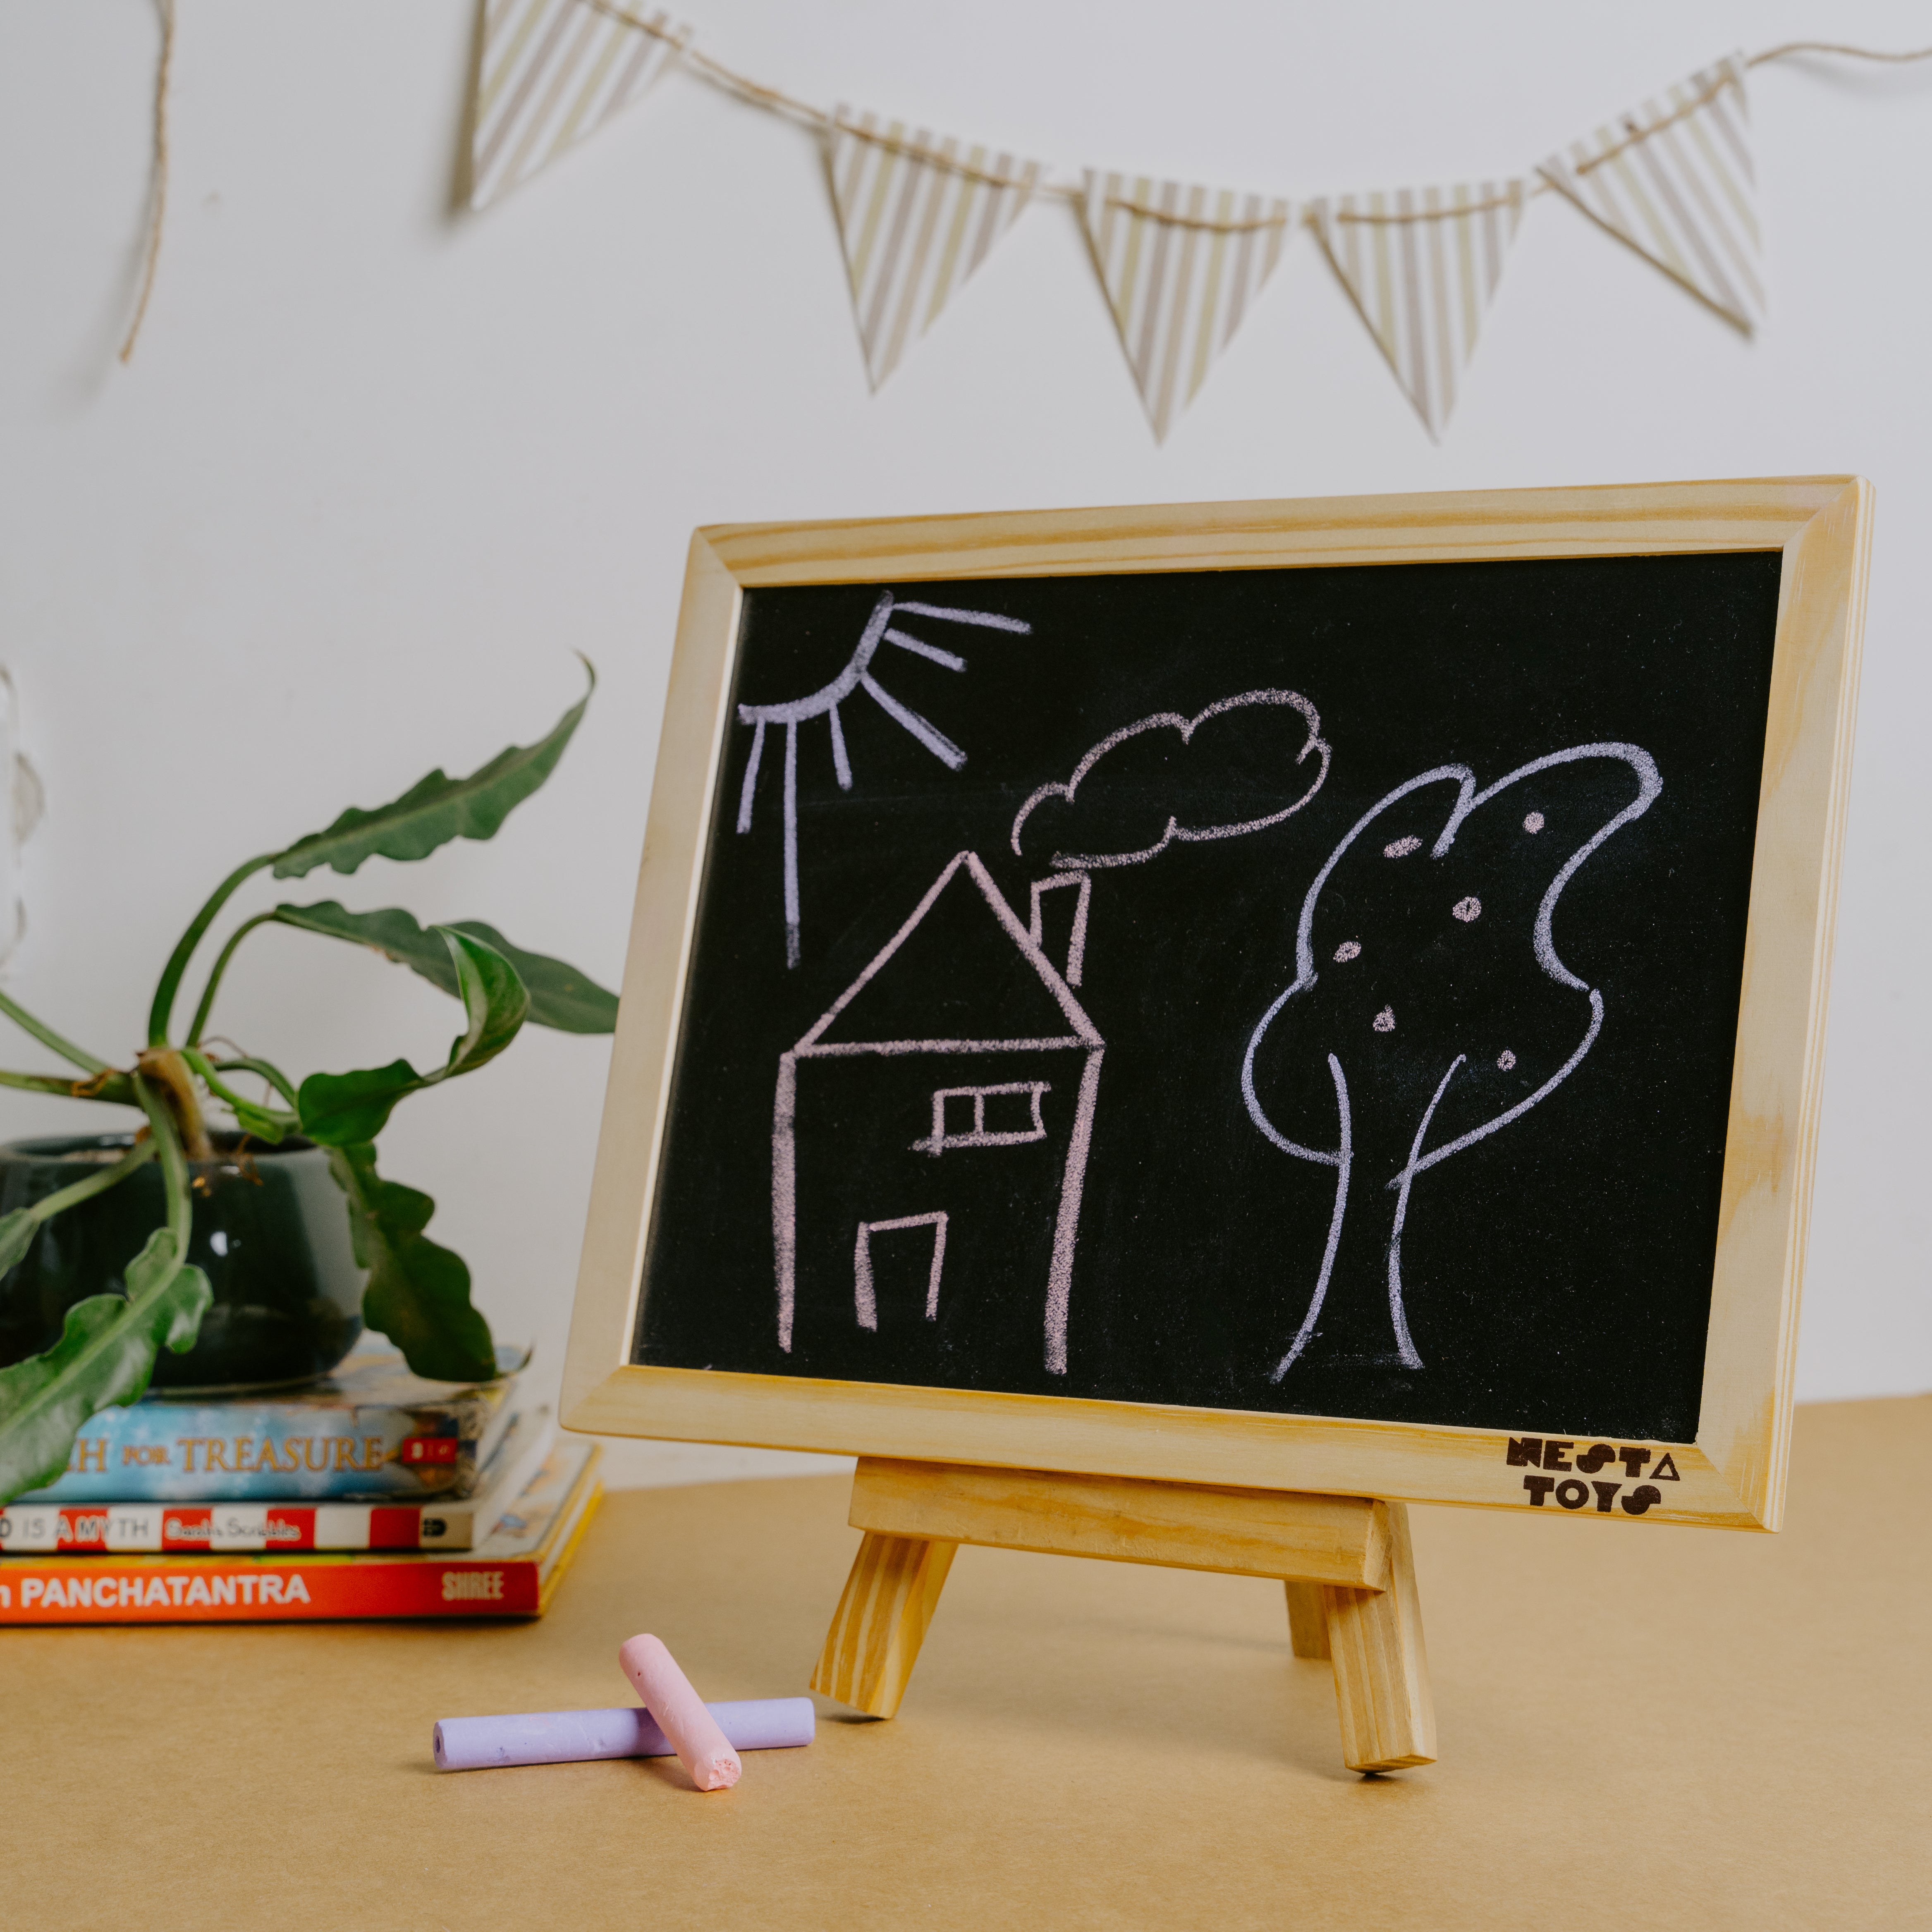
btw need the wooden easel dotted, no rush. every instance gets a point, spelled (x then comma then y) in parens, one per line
(1345, 1561)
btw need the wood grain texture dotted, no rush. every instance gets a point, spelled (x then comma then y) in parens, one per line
(1646, 519)
(1237, 1448)
(875, 1640)
(663, 922)
(1733, 1476)
(1307, 1620)
(1777, 1082)
(1382, 1671)
(1364, 1614)
(1183, 1526)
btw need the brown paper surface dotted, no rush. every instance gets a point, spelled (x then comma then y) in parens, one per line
(1642, 1726)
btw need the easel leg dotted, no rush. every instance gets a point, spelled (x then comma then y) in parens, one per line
(1381, 1672)
(1307, 1620)
(874, 1641)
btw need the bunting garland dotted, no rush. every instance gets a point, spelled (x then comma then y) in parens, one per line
(1674, 179)
(1422, 266)
(917, 216)
(1182, 267)
(552, 72)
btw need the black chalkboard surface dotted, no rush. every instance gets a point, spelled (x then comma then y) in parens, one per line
(1303, 991)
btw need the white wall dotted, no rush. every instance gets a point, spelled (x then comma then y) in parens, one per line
(377, 470)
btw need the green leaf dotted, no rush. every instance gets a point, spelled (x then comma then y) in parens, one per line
(104, 1356)
(438, 809)
(560, 996)
(18, 1232)
(19, 1229)
(339, 1108)
(47, 1037)
(418, 1293)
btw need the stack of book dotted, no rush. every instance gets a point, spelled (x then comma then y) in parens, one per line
(371, 1494)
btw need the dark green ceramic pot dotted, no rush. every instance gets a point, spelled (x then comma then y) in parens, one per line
(272, 1232)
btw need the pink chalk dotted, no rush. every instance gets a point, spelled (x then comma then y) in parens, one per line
(702, 1747)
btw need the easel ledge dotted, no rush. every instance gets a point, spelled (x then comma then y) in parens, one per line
(1346, 1562)
(1162, 1442)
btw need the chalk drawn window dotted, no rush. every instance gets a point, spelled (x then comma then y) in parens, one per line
(1006, 1115)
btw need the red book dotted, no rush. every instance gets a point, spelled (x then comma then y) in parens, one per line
(513, 1572)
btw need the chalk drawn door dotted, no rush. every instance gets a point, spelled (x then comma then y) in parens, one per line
(896, 1265)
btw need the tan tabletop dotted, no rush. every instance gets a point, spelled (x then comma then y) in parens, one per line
(1642, 1727)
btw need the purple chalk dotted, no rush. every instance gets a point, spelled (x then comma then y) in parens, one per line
(568, 1737)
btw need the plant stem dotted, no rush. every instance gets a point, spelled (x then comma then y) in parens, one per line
(164, 1077)
(47, 1037)
(162, 1009)
(46, 1208)
(211, 1080)
(174, 1165)
(104, 1086)
(262, 1069)
(207, 1007)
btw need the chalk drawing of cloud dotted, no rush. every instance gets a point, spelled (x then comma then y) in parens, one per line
(1239, 764)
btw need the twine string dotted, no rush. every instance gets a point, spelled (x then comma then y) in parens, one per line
(776, 101)
(1174, 219)
(1440, 214)
(1635, 131)
(1835, 47)
(760, 95)
(157, 196)
(938, 157)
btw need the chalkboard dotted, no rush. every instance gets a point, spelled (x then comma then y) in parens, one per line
(1284, 991)
(1463, 849)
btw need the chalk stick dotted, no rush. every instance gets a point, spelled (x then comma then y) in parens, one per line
(702, 1748)
(570, 1737)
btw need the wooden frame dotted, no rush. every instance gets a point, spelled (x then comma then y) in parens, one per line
(1733, 1474)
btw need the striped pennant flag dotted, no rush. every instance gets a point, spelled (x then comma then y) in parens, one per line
(1674, 179)
(553, 71)
(1422, 264)
(914, 229)
(1182, 267)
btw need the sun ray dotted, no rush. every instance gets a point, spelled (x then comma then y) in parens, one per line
(840, 766)
(991, 619)
(934, 740)
(824, 703)
(791, 845)
(751, 778)
(926, 650)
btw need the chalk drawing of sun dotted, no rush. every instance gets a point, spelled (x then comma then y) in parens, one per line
(824, 703)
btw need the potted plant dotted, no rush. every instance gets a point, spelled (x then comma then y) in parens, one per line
(229, 1245)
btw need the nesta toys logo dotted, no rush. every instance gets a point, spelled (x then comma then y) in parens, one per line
(1573, 1493)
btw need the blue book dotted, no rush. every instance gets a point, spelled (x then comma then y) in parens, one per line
(371, 1431)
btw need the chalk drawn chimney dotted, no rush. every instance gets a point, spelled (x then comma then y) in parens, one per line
(1072, 924)
(940, 1113)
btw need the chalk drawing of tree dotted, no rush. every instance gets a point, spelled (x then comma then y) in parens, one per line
(824, 703)
(1401, 971)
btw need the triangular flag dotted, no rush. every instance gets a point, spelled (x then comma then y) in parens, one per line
(914, 228)
(1182, 267)
(551, 72)
(1674, 179)
(1422, 264)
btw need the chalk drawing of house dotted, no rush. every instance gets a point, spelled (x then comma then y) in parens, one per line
(930, 1134)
